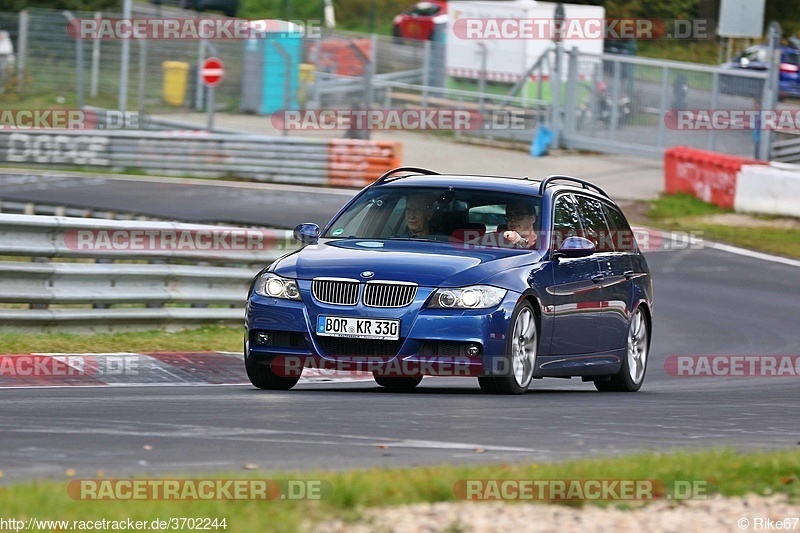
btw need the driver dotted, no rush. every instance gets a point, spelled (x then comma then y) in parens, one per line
(419, 211)
(520, 219)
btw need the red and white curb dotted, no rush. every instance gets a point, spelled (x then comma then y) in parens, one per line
(123, 369)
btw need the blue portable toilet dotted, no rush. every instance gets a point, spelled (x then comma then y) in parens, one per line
(270, 79)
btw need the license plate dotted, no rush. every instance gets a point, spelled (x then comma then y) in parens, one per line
(358, 328)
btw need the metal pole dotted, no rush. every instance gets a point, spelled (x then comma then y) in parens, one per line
(369, 72)
(79, 51)
(93, 84)
(78, 60)
(571, 100)
(210, 111)
(142, 75)
(371, 67)
(615, 92)
(662, 109)
(426, 73)
(125, 54)
(770, 97)
(555, 87)
(482, 78)
(198, 91)
(22, 49)
(714, 103)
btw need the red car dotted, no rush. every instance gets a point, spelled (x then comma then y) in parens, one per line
(420, 21)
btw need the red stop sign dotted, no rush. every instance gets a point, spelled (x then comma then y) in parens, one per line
(212, 72)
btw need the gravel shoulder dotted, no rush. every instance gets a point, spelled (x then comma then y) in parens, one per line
(715, 514)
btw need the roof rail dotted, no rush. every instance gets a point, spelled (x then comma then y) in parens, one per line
(417, 170)
(584, 184)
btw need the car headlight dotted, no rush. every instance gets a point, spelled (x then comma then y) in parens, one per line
(273, 286)
(475, 297)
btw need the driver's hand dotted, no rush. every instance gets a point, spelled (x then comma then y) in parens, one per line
(517, 239)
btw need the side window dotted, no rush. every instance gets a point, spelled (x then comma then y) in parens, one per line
(594, 224)
(624, 240)
(566, 222)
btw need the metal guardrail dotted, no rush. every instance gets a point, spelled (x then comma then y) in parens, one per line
(32, 208)
(144, 274)
(261, 158)
(787, 147)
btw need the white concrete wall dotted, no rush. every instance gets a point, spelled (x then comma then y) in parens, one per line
(772, 190)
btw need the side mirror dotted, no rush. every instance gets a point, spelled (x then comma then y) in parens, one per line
(307, 233)
(574, 247)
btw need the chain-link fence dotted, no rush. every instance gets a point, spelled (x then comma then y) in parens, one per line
(639, 105)
(603, 102)
(50, 73)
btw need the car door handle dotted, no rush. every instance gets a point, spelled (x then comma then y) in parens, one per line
(628, 274)
(597, 278)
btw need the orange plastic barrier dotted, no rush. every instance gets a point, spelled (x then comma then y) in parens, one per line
(337, 56)
(708, 176)
(356, 163)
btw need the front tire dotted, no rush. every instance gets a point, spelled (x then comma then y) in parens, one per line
(631, 374)
(398, 384)
(262, 376)
(519, 362)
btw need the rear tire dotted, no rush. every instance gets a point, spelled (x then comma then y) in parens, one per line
(522, 344)
(398, 384)
(262, 376)
(631, 373)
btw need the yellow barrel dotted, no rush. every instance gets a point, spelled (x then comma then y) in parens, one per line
(176, 73)
(306, 78)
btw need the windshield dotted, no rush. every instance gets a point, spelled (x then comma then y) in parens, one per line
(438, 214)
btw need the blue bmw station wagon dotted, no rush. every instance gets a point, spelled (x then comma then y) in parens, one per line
(500, 278)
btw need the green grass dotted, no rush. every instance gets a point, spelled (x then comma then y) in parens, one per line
(706, 52)
(210, 338)
(683, 212)
(349, 493)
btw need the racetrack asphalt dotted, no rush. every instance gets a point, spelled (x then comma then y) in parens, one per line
(707, 302)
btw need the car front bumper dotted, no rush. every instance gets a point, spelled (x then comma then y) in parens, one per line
(432, 341)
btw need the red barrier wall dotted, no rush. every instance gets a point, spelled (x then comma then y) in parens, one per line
(708, 176)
